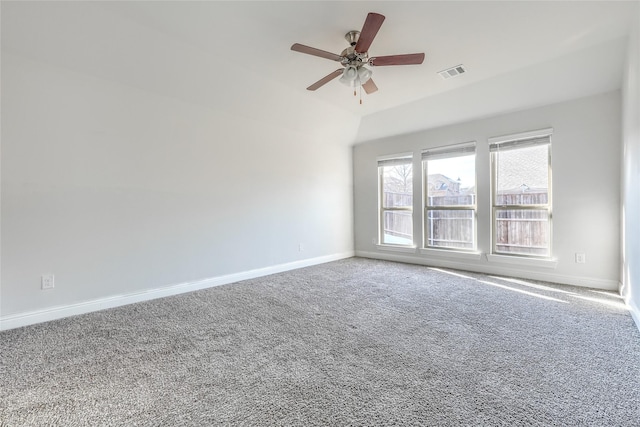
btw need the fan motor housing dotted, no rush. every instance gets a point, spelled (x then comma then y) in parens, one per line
(352, 57)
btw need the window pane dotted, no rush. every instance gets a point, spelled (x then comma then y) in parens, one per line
(397, 190)
(523, 176)
(398, 228)
(396, 204)
(522, 231)
(451, 181)
(450, 228)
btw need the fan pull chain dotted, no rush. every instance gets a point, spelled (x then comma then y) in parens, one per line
(360, 95)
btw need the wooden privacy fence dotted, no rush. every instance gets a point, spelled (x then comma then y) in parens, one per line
(450, 229)
(396, 200)
(522, 198)
(523, 231)
(460, 200)
(398, 223)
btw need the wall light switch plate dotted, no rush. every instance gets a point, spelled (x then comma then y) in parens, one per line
(47, 281)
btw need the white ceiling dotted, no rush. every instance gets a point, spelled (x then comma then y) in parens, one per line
(236, 55)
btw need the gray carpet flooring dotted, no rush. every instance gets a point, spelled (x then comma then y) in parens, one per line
(352, 342)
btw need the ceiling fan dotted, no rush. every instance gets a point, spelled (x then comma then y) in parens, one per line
(356, 56)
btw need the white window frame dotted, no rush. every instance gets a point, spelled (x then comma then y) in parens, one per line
(442, 153)
(516, 141)
(397, 159)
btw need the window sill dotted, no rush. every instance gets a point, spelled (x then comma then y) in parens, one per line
(516, 260)
(446, 253)
(393, 248)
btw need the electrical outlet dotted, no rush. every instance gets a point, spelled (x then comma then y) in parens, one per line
(300, 247)
(580, 258)
(47, 281)
(374, 240)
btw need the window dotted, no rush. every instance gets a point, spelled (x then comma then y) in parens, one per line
(449, 175)
(396, 201)
(521, 193)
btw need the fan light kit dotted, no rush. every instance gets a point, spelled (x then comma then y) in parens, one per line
(356, 56)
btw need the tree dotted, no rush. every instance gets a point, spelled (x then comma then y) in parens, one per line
(399, 178)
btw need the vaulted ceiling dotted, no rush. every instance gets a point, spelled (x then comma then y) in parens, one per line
(236, 55)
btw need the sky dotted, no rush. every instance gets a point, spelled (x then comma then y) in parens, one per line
(463, 167)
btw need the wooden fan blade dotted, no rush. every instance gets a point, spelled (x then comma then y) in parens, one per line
(315, 52)
(369, 30)
(408, 59)
(369, 86)
(323, 81)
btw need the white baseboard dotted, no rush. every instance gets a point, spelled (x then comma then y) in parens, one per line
(493, 268)
(634, 310)
(39, 316)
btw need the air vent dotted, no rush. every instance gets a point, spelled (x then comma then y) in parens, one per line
(452, 72)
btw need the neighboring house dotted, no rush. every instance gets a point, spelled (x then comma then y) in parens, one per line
(441, 185)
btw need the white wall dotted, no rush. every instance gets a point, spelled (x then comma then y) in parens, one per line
(118, 190)
(586, 201)
(631, 176)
